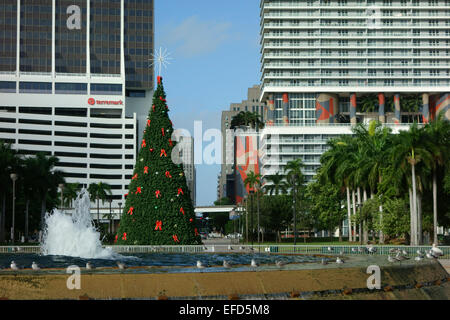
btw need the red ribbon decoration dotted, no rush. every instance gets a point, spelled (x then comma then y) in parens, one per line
(135, 177)
(158, 225)
(143, 144)
(126, 194)
(151, 149)
(182, 210)
(180, 191)
(196, 232)
(162, 99)
(175, 238)
(159, 79)
(162, 130)
(146, 170)
(148, 123)
(170, 142)
(190, 220)
(163, 152)
(124, 236)
(139, 190)
(116, 238)
(168, 174)
(130, 212)
(153, 107)
(157, 194)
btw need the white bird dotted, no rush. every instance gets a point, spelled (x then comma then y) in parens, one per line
(436, 251)
(354, 250)
(230, 248)
(418, 258)
(339, 260)
(14, 266)
(254, 264)
(205, 248)
(430, 255)
(241, 248)
(330, 249)
(121, 265)
(89, 266)
(35, 266)
(393, 250)
(371, 249)
(404, 252)
(226, 264)
(390, 259)
(420, 253)
(280, 264)
(200, 265)
(324, 262)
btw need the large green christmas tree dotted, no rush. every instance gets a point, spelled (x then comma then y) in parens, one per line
(158, 208)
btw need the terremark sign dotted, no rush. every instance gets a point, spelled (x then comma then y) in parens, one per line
(93, 102)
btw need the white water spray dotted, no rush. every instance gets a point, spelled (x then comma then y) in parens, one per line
(74, 235)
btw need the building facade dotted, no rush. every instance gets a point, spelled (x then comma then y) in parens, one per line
(75, 83)
(185, 156)
(322, 58)
(225, 186)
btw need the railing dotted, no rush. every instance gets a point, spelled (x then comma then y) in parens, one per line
(238, 248)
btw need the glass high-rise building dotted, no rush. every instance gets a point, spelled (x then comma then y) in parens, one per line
(76, 83)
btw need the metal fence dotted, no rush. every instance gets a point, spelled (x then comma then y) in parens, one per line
(268, 249)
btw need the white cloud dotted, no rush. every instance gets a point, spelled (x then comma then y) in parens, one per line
(193, 37)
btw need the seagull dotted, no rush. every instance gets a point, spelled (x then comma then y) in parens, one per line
(399, 257)
(330, 249)
(121, 265)
(390, 259)
(418, 258)
(436, 251)
(241, 248)
(404, 252)
(354, 250)
(89, 266)
(420, 253)
(341, 253)
(35, 266)
(339, 260)
(226, 264)
(393, 250)
(14, 266)
(205, 248)
(430, 255)
(230, 248)
(254, 264)
(280, 264)
(371, 249)
(200, 265)
(324, 262)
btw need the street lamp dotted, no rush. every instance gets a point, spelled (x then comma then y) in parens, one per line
(61, 188)
(13, 177)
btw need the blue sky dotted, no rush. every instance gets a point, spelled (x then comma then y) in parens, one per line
(215, 51)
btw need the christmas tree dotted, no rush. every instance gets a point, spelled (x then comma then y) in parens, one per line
(158, 208)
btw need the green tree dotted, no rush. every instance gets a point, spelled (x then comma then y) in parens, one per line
(278, 184)
(158, 208)
(70, 193)
(253, 181)
(99, 191)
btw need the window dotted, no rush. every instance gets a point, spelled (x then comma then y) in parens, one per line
(70, 88)
(35, 87)
(106, 89)
(7, 86)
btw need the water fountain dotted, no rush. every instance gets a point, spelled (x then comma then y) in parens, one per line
(74, 235)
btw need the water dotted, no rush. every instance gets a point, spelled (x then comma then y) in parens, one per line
(74, 235)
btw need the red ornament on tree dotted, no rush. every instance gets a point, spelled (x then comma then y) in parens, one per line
(153, 107)
(196, 232)
(168, 174)
(143, 145)
(139, 190)
(190, 220)
(135, 177)
(158, 225)
(180, 191)
(162, 99)
(162, 131)
(148, 123)
(146, 170)
(151, 149)
(130, 212)
(175, 238)
(124, 237)
(182, 210)
(159, 78)
(157, 194)
(170, 142)
(163, 152)
(116, 238)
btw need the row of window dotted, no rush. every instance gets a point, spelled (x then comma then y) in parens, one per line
(61, 88)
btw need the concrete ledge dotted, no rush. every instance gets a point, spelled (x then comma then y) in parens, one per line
(226, 284)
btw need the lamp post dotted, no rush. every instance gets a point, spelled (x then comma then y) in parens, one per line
(13, 177)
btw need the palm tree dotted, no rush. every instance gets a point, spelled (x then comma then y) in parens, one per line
(48, 178)
(369, 103)
(30, 184)
(408, 152)
(99, 191)
(278, 186)
(295, 178)
(70, 193)
(9, 162)
(246, 118)
(252, 182)
(437, 139)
